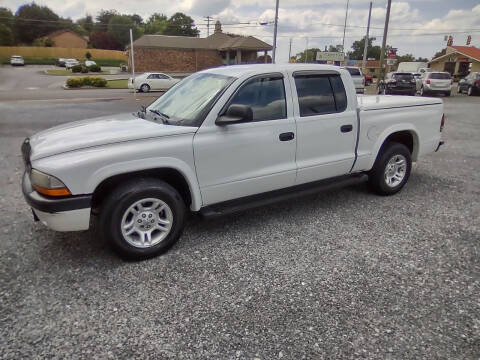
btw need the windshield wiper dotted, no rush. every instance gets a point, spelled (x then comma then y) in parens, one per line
(163, 116)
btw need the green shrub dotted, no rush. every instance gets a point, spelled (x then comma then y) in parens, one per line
(74, 82)
(94, 68)
(95, 81)
(84, 69)
(88, 55)
(76, 68)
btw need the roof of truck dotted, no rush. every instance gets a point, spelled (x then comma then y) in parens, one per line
(239, 70)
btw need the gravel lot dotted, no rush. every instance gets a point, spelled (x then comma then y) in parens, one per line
(344, 274)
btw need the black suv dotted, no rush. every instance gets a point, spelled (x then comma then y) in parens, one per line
(398, 83)
(470, 84)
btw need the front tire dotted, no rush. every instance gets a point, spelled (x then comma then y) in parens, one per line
(142, 218)
(391, 169)
(145, 88)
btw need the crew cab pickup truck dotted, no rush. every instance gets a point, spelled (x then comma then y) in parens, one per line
(222, 140)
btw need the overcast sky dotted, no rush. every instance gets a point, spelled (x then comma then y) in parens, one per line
(302, 19)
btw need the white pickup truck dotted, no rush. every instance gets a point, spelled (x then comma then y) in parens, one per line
(222, 140)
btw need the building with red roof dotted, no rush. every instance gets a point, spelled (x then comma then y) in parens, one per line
(458, 60)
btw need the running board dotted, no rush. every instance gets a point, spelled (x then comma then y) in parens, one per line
(271, 197)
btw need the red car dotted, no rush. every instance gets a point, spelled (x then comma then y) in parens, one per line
(368, 79)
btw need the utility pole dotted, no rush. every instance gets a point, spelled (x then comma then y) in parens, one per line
(133, 63)
(208, 23)
(384, 41)
(365, 48)
(290, 50)
(306, 51)
(345, 28)
(275, 33)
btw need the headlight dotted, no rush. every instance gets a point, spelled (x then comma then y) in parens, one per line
(47, 184)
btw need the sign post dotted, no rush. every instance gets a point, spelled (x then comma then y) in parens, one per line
(133, 63)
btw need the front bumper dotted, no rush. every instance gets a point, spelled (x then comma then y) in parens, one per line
(62, 214)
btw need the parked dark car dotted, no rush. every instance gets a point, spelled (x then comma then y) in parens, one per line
(61, 62)
(398, 83)
(470, 84)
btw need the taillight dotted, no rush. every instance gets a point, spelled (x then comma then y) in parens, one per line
(428, 81)
(442, 123)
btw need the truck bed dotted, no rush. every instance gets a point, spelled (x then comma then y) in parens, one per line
(377, 102)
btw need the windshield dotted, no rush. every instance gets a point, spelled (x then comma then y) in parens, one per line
(353, 71)
(407, 77)
(440, 76)
(188, 102)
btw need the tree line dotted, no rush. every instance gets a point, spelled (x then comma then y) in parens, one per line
(373, 52)
(31, 24)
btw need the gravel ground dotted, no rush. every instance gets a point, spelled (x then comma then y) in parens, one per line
(343, 274)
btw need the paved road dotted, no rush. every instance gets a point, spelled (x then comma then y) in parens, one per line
(343, 274)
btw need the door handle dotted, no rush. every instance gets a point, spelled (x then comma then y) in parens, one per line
(346, 128)
(286, 136)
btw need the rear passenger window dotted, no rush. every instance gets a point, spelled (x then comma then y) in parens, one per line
(320, 94)
(266, 97)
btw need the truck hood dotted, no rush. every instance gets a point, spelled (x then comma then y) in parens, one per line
(97, 132)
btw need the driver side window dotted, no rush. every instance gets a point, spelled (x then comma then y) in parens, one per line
(266, 97)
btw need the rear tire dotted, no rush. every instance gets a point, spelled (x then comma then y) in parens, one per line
(145, 88)
(391, 169)
(142, 218)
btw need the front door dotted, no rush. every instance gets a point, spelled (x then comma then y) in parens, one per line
(326, 127)
(238, 160)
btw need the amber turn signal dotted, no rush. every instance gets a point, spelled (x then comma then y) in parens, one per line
(52, 192)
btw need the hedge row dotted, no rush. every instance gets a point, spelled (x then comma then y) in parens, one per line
(85, 69)
(96, 81)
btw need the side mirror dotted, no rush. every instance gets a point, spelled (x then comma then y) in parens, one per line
(235, 114)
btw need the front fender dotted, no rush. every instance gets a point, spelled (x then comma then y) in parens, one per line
(83, 170)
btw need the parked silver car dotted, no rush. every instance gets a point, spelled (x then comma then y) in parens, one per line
(434, 82)
(358, 78)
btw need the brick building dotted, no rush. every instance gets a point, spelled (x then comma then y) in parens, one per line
(190, 54)
(66, 39)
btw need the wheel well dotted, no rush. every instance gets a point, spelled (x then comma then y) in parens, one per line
(406, 138)
(171, 176)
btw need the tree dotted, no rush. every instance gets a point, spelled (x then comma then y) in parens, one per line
(137, 19)
(33, 21)
(181, 25)
(6, 27)
(311, 55)
(104, 16)
(440, 53)
(405, 58)
(421, 59)
(86, 23)
(119, 28)
(103, 40)
(6, 36)
(358, 46)
(156, 24)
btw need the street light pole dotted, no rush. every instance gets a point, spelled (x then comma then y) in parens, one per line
(384, 41)
(345, 28)
(275, 33)
(365, 48)
(133, 63)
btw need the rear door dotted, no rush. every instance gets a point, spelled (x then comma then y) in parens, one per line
(326, 126)
(440, 81)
